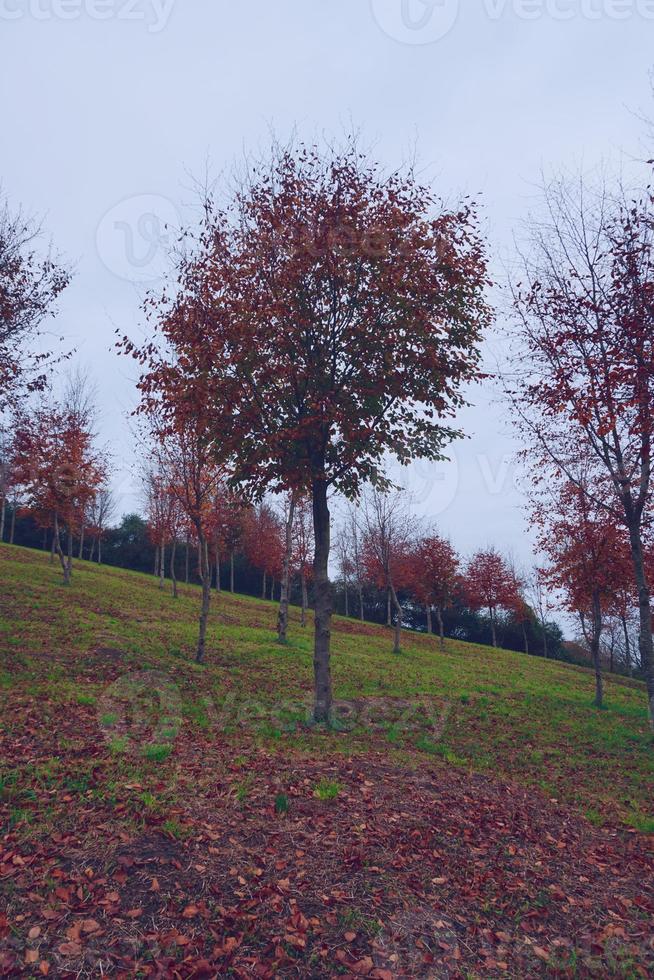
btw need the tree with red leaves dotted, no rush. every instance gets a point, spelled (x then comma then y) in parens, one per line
(184, 450)
(29, 288)
(583, 367)
(59, 471)
(388, 536)
(263, 543)
(434, 578)
(329, 317)
(489, 584)
(589, 555)
(165, 519)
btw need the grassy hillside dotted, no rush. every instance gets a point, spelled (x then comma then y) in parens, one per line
(491, 765)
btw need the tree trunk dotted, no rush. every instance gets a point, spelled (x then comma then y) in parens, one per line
(217, 570)
(360, 602)
(282, 617)
(305, 599)
(525, 637)
(99, 549)
(545, 648)
(12, 530)
(3, 511)
(596, 636)
(205, 575)
(323, 603)
(173, 576)
(156, 561)
(92, 552)
(80, 554)
(187, 563)
(347, 598)
(231, 571)
(54, 550)
(389, 617)
(272, 590)
(493, 630)
(645, 643)
(627, 646)
(441, 631)
(64, 560)
(263, 588)
(397, 643)
(429, 626)
(162, 564)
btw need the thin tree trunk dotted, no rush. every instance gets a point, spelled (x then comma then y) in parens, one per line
(595, 650)
(645, 644)
(156, 560)
(12, 530)
(3, 511)
(92, 553)
(493, 630)
(525, 637)
(389, 618)
(64, 560)
(627, 646)
(323, 601)
(99, 549)
(397, 644)
(282, 617)
(162, 564)
(305, 599)
(173, 576)
(187, 562)
(360, 602)
(545, 647)
(217, 569)
(69, 556)
(263, 588)
(272, 590)
(347, 599)
(441, 630)
(54, 550)
(80, 554)
(429, 627)
(205, 575)
(231, 571)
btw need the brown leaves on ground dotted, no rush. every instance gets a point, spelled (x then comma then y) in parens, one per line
(403, 874)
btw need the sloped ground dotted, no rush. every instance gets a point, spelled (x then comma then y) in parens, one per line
(208, 831)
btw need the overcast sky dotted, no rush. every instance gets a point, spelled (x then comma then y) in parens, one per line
(110, 108)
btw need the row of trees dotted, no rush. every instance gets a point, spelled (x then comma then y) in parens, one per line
(330, 315)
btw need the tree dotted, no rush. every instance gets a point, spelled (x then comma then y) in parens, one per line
(434, 577)
(329, 317)
(59, 470)
(588, 554)
(489, 584)
(585, 340)
(386, 547)
(29, 288)
(185, 451)
(101, 513)
(263, 542)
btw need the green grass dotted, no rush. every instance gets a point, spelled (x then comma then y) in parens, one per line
(479, 709)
